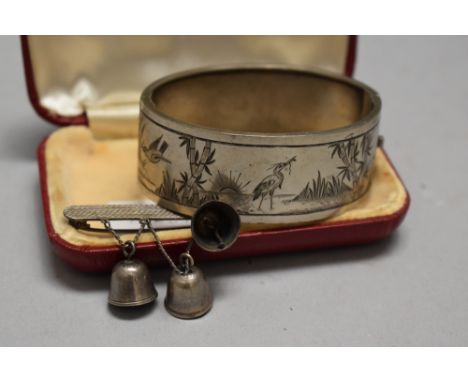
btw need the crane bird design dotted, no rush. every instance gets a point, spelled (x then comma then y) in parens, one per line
(155, 151)
(272, 182)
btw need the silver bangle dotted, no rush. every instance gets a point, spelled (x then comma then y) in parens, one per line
(281, 145)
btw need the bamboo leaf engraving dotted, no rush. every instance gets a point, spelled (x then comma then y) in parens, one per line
(355, 156)
(192, 184)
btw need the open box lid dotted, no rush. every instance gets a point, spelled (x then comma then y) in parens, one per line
(97, 80)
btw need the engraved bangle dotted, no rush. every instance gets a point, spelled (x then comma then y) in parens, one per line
(280, 144)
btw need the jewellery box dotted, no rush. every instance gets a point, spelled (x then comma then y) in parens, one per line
(91, 86)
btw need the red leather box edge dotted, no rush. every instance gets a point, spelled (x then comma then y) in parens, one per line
(49, 116)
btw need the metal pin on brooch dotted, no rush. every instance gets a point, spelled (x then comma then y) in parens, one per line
(123, 217)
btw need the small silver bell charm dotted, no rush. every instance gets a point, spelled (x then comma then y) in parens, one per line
(215, 226)
(188, 293)
(131, 283)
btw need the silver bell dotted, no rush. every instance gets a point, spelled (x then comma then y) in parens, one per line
(215, 226)
(131, 282)
(188, 293)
